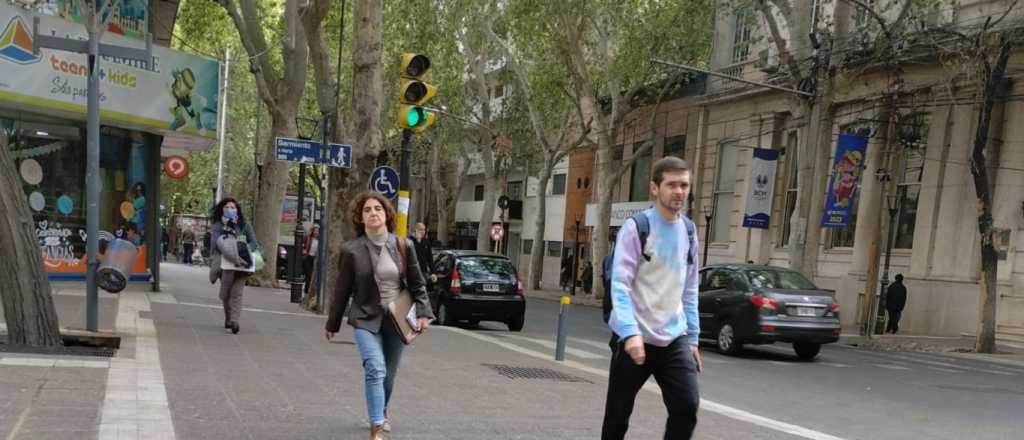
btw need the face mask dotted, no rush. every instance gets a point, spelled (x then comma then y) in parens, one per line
(230, 213)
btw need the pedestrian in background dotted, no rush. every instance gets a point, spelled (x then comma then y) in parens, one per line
(309, 251)
(165, 240)
(188, 244)
(233, 242)
(895, 301)
(588, 277)
(375, 268)
(657, 327)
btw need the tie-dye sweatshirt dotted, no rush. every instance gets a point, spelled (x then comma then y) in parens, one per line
(655, 299)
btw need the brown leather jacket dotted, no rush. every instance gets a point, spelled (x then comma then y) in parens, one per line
(357, 282)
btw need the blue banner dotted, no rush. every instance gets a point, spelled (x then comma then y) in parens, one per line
(760, 189)
(847, 167)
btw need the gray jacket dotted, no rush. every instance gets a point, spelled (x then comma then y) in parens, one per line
(217, 231)
(357, 282)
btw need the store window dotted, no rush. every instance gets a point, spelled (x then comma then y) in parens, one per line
(558, 185)
(554, 248)
(640, 176)
(725, 184)
(791, 160)
(913, 137)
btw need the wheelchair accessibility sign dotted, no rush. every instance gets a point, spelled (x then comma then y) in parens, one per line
(385, 181)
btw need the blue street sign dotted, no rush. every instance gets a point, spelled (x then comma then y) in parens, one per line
(340, 156)
(306, 151)
(297, 150)
(385, 181)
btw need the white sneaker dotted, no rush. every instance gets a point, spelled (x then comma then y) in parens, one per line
(386, 426)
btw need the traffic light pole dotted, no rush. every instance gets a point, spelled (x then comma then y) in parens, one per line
(404, 177)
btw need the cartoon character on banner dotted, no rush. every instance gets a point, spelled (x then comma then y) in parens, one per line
(845, 183)
(189, 111)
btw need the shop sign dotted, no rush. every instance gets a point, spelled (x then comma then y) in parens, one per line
(620, 212)
(175, 93)
(176, 167)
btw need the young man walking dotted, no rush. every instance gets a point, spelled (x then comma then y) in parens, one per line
(654, 309)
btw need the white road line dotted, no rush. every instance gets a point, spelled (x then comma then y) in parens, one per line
(247, 309)
(551, 344)
(945, 370)
(989, 368)
(135, 405)
(834, 365)
(705, 404)
(891, 367)
(780, 363)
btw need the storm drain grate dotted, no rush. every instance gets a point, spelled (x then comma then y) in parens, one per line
(513, 372)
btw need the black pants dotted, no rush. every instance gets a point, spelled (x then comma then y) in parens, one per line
(676, 372)
(894, 321)
(307, 269)
(187, 249)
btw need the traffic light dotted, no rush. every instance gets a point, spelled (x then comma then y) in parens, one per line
(414, 93)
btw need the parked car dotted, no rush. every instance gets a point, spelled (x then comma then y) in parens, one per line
(750, 304)
(477, 286)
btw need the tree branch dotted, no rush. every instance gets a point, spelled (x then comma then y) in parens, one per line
(255, 44)
(878, 18)
(313, 15)
(649, 143)
(796, 75)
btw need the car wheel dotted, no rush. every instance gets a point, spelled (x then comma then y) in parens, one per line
(516, 324)
(727, 343)
(443, 316)
(806, 350)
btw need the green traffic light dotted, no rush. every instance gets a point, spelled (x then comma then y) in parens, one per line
(415, 116)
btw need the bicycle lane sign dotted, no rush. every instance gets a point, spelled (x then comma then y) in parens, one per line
(384, 180)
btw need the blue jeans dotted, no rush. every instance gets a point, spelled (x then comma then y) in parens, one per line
(381, 353)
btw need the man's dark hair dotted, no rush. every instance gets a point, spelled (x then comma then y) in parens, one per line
(899, 277)
(667, 164)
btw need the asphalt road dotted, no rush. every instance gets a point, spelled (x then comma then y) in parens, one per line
(846, 392)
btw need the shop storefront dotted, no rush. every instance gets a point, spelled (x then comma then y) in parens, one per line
(146, 107)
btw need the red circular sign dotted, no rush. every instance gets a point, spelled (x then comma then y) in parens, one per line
(497, 232)
(176, 167)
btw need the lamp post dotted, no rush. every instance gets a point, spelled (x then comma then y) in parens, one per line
(892, 202)
(296, 276)
(709, 212)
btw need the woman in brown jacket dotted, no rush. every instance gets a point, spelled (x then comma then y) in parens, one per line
(375, 269)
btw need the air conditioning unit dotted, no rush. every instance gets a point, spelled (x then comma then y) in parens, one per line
(768, 60)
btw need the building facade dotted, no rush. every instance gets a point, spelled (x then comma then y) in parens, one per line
(148, 111)
(919, 120)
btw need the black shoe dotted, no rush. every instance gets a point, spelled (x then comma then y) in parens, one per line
(234, 327)
(227, 324)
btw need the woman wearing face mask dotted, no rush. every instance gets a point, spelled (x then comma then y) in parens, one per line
(231, 262)
(374, 270)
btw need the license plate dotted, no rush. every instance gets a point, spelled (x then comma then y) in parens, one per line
(806, 311)
(491, 288)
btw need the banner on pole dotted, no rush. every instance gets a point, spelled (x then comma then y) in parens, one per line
(760, 189)
(842, 186)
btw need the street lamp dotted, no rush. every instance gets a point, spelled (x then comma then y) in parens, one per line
(892, 202)
(306, 129)
(709, 212)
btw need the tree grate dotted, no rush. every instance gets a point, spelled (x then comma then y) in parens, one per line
(65, 350)
(513, 372)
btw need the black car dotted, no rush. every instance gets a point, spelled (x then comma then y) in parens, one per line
(477, 286)
(749, 304)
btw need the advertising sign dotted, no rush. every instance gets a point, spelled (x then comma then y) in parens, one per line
(842, 186)
(175, 93)
(759, 192)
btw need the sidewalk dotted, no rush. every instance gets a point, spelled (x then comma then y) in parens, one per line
(556, 295)
(962, 346)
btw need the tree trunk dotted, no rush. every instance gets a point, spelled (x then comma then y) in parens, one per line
(540, 224)
(993, 81)
(272, 188)
(491, 189)
(367, 95)
(24, 288)
(604, 185)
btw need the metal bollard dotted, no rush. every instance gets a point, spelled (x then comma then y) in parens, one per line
(563, 318)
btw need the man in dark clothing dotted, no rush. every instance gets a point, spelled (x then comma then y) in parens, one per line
(588, 277)
(424, 254)
(895, 300)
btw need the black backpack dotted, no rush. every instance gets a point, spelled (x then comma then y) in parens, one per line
(643, 228)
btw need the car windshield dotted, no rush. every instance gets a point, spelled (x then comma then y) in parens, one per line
(476, 267)
(779, 279)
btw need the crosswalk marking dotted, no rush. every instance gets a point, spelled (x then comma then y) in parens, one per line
(945, 370)
(551, 344)
(891, 367)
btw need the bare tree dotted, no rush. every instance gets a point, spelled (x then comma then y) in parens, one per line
(24, 288)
